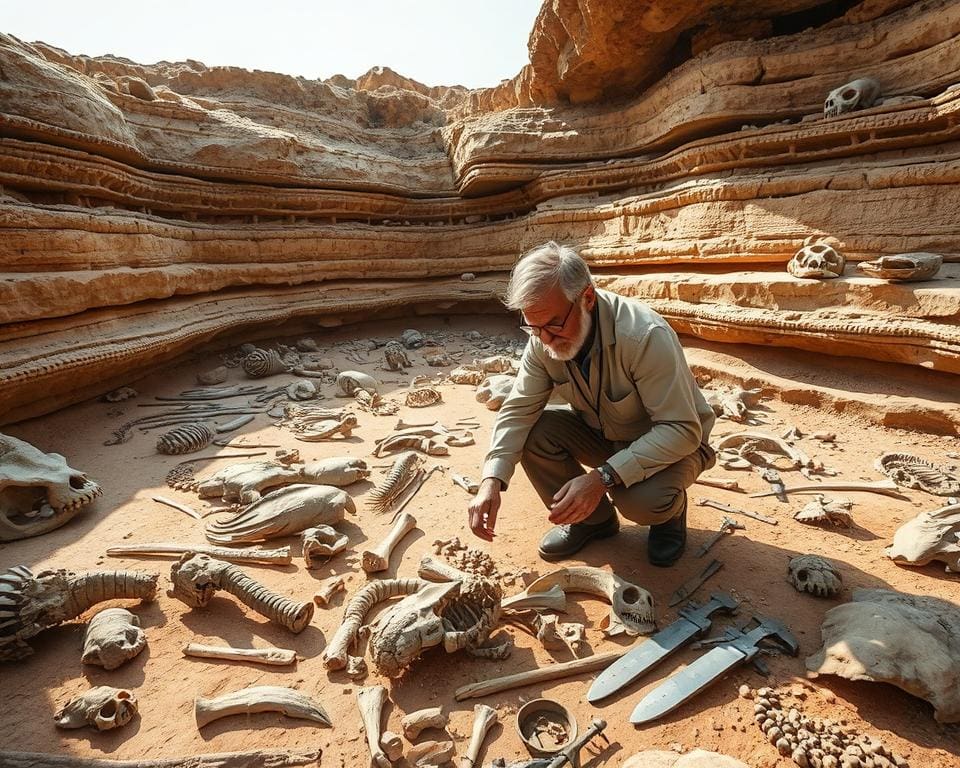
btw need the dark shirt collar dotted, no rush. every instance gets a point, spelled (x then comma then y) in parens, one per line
(582, 357)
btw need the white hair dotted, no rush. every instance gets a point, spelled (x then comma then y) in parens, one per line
(540, 270)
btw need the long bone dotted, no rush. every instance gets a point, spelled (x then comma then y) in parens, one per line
(328, 589)
(273, 657)
(30, 604)
(378, 559)
(197, 577)
(335, 654)
(415, 722)
(392, 744)
(322, 543)
(260, 698)
(265, 758)
(279, 556)
(749, 443)
(430, 754)
(484, 718)
(370, 700)
(884, 487)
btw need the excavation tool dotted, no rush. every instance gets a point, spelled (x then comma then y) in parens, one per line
(729, 525)
(693, 622)
(742, 646)
(692, 585)
(734, 511)
(772, 478)
(570, 755)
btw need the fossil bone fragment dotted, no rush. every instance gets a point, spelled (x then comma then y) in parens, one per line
(187, 510)
(335, 654)
(817, 260)
(283, 512)
(415, 723)
(233, 424)
(261, 363)
(733, 404)
(933, 535)
(493, 390)
(245, 482)
(38, 491)
(743, 450)
(885, 636)
(356, 667)
(395, 357)
(903, 267)
(120, 394)
(484, 718)
(466, 375)
(402, 473)
(824, 510)
(857, 94)
(883, 487)
(187, 438)
(914, 472)
(552, 599)
(279, 556)
(554, 635)
(327, 430)
(392, 745)
(814, 574)
(303, 389)
(327, 589)
(378, 559)
(272, 657)
(213, 376)
(422, 396)
(260, 698)
(427, 445)
(31, 604)
(371, 700)
(112, 638)
(631, 606)
(196, 578)
(261, 758)
(412, 338)
(348, 382)
(321, 543)
(430, 754)
(103, 707)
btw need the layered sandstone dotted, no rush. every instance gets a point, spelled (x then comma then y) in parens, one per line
(144, 209)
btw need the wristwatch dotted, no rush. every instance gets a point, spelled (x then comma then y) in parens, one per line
(607, 475)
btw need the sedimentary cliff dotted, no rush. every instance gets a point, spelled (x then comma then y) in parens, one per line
(682, 147)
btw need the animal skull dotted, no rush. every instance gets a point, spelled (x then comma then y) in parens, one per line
(817, 260)
(411, 627)
(814, 574)
(857, 94)
(103, 707)
(903, 266)
(929, 536)
(38, 491)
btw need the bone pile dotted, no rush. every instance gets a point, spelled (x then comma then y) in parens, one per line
(815, 743)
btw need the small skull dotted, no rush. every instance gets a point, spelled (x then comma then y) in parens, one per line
(103, 707)
(817, 260)
(814, 574)
(857, 94)
(494, 390)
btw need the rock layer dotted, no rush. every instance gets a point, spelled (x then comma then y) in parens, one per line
(145, 209)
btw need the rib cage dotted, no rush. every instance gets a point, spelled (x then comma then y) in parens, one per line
(402, 473)
(185, 439)
(263, 362)
(913, 472)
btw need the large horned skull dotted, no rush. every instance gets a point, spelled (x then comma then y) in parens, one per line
(817, 260)
(857, 94)
(38, 491)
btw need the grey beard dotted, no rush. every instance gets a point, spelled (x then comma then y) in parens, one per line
(572, 348)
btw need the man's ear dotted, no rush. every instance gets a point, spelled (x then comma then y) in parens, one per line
(591, 297)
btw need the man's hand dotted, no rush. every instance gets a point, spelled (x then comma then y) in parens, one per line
(577, 498)
(483, 509)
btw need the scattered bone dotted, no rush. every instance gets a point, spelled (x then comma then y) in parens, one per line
(32, 604)
(213, 376)
(825, 437)
(554, 635)
(439, 360)
(261, 363)
(392, 745)
(395, 357)
(356, 667)
(232, 425)
(466, 375)
(187, 510)
(327, 429)
(280, 556)
(814, 574)
(307, 344)
(328, 588)
(553, 599)
(427, 445)
(283, 512)
(120, 394)
(187, 438)
(321, 543)
(375, 404)
(493, 390)
(260, 698)
(430, 754)
(302, 389)
(401, 475)
(411, 339)
(370, 700)
(421, 397)
(247, 481)
(719, 482)
(112, 638)
(824, 510)
(743, 450)
(38, 491)
(197, 577)
(260, 758)
(103, 707)
(930, 536)
(883, 487)
(733, 404)
(484, 718)
(348, 382)
(903, 267)
(466, 483)
(818, 260)
(416, 722)
(378, 559)
(272, 657)
(857, 94)
(496, 364)
(914, 472)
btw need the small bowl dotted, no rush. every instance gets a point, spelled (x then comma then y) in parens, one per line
(539, 723)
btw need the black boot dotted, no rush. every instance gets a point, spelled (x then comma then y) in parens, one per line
(666, 541)
(565, 540)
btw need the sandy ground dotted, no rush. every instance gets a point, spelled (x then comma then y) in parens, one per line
(166, 682)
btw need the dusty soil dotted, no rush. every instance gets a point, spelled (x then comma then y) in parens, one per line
(755, 568)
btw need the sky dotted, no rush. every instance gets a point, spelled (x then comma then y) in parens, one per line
(437, 42)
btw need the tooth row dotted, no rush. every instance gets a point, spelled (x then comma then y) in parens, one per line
(816, 743)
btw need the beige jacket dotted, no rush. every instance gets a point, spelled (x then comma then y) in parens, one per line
(640, 392)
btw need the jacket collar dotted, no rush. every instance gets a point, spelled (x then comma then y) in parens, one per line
(606, 317)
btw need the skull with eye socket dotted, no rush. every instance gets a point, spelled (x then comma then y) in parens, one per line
(103, 707)
(815, 575)
(857, 94)
(817, 260)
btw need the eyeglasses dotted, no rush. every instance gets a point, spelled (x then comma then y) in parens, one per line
(553, 329)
